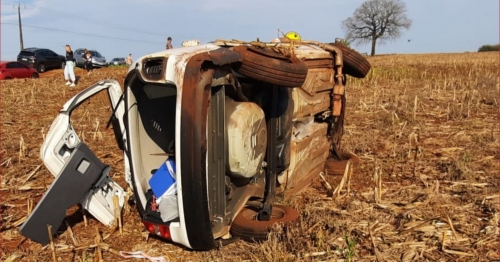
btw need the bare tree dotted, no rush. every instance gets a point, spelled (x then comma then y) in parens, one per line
(377, 20)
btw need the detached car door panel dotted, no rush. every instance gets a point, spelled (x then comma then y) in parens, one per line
(80, 176)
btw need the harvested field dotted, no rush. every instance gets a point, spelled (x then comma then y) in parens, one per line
(426, 128)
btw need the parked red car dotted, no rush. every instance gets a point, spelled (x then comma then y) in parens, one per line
(10, 70)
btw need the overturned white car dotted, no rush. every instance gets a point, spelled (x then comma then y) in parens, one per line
(208, 133)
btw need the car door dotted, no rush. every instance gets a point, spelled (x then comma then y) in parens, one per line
(10, 70)
(61, 124)
(80, 176)
(78, 57)
(53, 59)
(98, 57)
(22, 70)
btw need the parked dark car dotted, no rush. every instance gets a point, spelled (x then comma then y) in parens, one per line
(10, 70)
(98, 60)
(117, 61)
(41, 59)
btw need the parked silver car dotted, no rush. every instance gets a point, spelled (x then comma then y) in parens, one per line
(97, 59)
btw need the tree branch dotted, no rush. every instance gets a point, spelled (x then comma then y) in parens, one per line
(377, 20)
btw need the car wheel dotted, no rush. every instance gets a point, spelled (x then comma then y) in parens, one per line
(337, 167)
(7, 78)
(246, 226)
(268, 66)
(41, 68)
(63, 64)
(355, 64)
(34, 75)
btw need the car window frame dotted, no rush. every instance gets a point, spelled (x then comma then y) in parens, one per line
(21, 65)
(42, 53)
(51, 53)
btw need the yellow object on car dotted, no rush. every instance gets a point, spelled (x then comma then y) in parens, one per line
(293, 36)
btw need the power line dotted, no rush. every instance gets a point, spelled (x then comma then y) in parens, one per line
(73, 17)
(77, 33)
(61, 14)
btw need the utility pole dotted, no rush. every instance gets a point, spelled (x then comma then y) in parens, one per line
(20, 26)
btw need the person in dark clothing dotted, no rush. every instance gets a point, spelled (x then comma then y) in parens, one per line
(168, 45)
(87, 57)
(69, 69)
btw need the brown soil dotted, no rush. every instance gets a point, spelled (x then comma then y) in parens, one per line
(427, 125)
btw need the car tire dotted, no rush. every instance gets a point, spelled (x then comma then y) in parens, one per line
(268, 66)
(7, 78)
(247, 227)
(355, 64)
(41, 68)
(337, 167)
(35, 75)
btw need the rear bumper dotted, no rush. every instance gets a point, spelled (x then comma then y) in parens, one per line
(28, 63)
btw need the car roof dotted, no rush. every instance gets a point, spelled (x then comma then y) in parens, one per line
(34, 49)
(84, 49)
(8, 62)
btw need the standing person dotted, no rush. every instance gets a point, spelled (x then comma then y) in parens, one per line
(69, 69)
(87, 57)
(169, 43)
(129, 60)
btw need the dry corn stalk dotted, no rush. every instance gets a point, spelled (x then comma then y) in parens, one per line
(31, 174)
(22, 148)
(98, 242)
(377, 252)
(96, 130)
(49, 230)
(377, 177)
(327, 185)
(415, 108)
(118, 213)
(71, 233)
(343, 180)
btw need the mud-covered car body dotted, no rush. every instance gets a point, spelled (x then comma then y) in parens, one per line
(238, 120)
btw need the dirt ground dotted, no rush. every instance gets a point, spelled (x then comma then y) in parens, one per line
(426, 128)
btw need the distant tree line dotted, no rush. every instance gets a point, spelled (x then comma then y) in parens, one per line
(488, 48)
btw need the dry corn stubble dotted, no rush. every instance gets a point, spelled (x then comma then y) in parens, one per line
(449, 191)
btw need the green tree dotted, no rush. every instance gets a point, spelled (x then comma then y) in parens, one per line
(343, 41)
(377, 20)
(488, 48)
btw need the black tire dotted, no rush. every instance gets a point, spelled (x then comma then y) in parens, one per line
(355, 64)
(41, 68)
(7, 78)
(337, 167)
(248, 228)
(271, 67)
(35, 75)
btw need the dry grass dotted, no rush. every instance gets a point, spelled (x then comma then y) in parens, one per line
(425, 125)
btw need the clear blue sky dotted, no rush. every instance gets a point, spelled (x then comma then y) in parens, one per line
(118, 27)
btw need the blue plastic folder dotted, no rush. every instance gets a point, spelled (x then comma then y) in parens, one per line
(163, 179)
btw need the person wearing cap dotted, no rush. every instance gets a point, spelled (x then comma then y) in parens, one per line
(69, 68)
